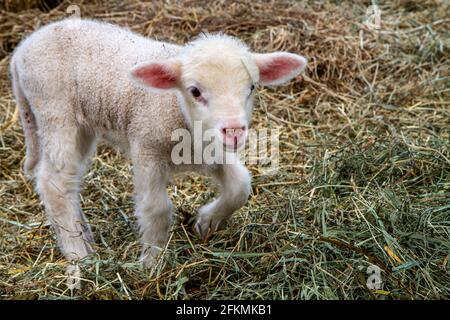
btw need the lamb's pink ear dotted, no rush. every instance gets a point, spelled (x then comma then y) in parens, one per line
(157, 75)
(278, 67)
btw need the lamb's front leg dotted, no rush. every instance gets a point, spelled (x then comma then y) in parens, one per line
(234, 180)
(153, 209)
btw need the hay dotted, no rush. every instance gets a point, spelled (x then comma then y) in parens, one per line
(364, 174)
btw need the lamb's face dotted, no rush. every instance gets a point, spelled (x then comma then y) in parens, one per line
(215, 78)
(217, 91)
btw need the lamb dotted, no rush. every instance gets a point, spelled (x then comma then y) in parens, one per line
(78, 81)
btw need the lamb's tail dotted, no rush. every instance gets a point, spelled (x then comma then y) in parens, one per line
(28, 123)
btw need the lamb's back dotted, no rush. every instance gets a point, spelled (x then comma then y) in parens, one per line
(80, 67)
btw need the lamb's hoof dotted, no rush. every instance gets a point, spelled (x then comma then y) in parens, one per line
(73, 277)
(206, 226)
(150, 257)
(204, 231)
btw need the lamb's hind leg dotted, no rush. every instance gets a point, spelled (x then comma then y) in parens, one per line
(58, 180)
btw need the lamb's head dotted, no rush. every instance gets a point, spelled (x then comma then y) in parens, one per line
(215, 77)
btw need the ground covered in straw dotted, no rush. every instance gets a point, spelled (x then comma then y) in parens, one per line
(364, 175)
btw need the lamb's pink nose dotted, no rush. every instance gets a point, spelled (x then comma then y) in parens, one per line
(233, 135)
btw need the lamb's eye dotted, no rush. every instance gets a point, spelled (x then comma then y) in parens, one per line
(252, 88)
(195, 92)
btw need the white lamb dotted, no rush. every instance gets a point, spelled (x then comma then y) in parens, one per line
(76, 81)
